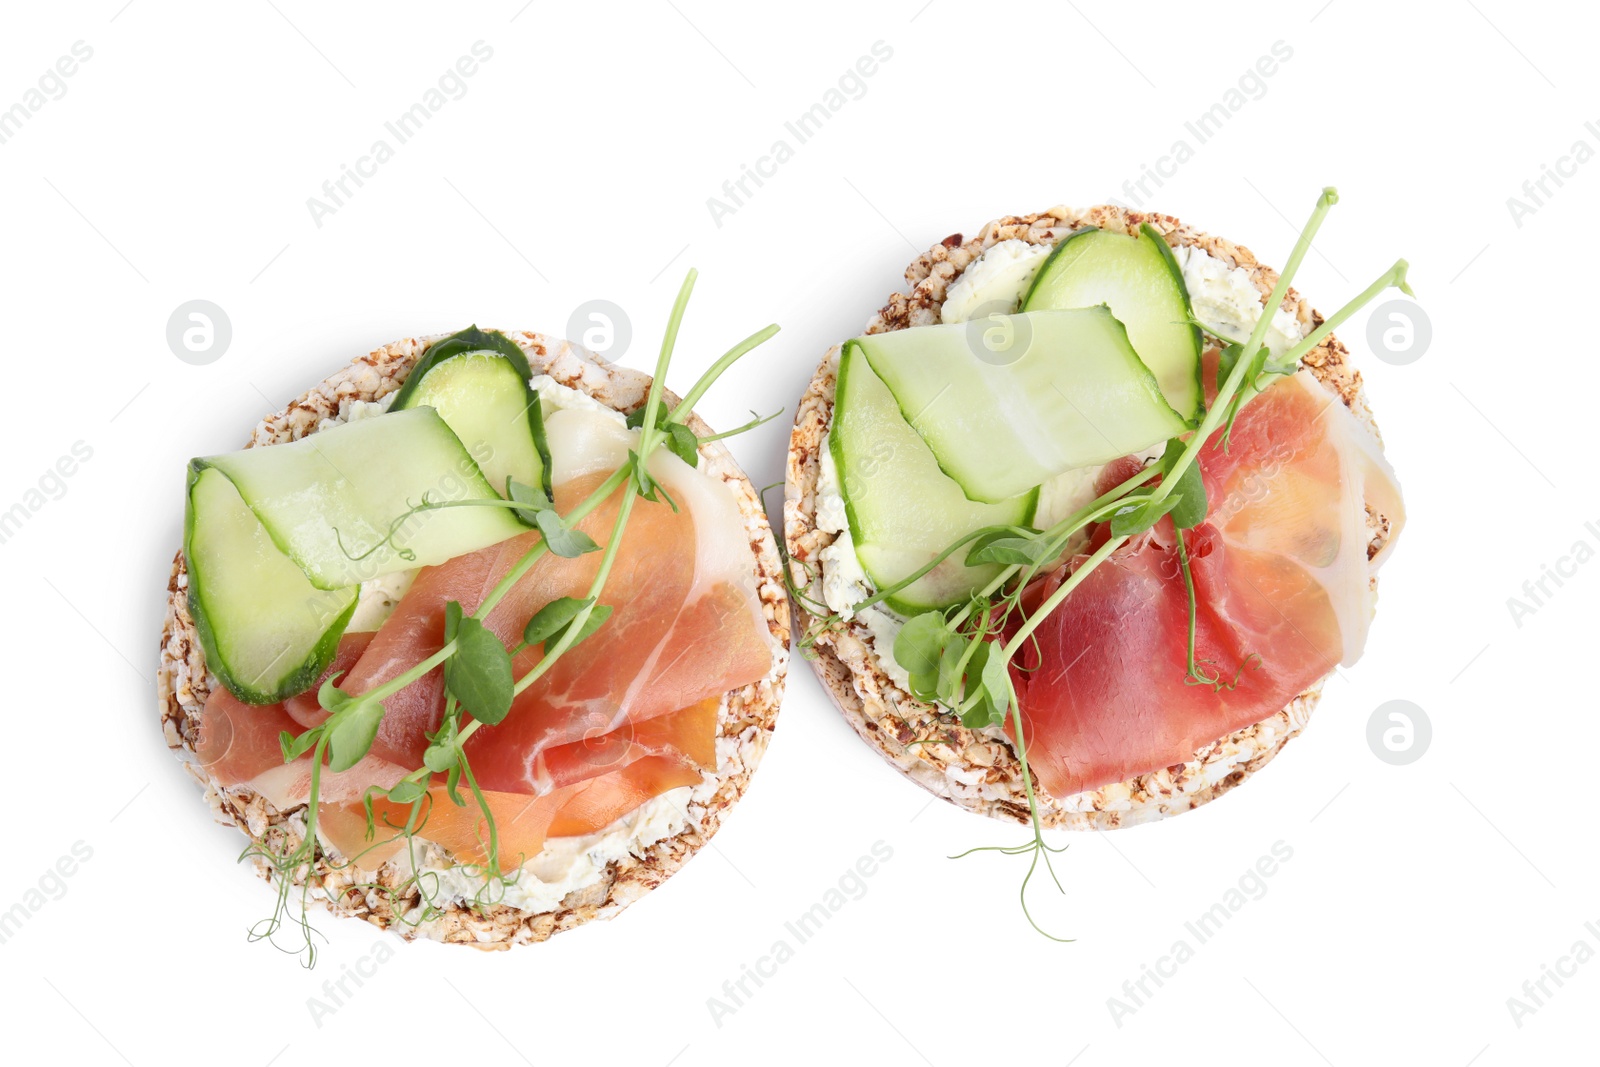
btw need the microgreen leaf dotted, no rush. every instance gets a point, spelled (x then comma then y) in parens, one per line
(1227, 359)
(1137, 518)
(597, 617)
(924, 686)
(295, 747)
(405, 791)
(990, 668)
(995, 677)
(918, 648)
(565, 541)
(330, 696)
(920, 643)
(683, 443)
(1006, 547)
(636, 418)
(351, 733)
(1190, 510)
(952, 667)
(552, 621)
(680, 440)
(533, 500)
(452, 783)
(479, 674)
(550, 618)
(981, 714)
(439, 758)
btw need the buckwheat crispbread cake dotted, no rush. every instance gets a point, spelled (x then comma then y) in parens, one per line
(978, 770)
(745, 718)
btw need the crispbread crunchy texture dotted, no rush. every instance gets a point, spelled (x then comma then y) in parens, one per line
(978, 770)
(745, 718)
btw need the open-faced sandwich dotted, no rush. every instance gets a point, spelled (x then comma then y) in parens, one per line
(477, 640)
(1075, 487)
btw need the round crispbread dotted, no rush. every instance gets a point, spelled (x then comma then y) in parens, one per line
(745, 718)
(979, 771)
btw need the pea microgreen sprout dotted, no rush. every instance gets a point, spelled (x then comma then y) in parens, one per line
(755, 420)
(480, 686)
(955, 658)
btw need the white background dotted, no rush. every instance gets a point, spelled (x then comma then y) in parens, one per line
(577, 165)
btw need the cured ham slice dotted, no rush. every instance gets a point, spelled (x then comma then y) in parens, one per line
(239, 746)
(303, 708)
(601, 779)
(599, 802)
(689, 733)
(1283, 587)
(1296, 482)
(523, 823)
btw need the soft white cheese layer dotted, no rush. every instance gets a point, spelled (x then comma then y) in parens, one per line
(356, 410)
(844, 581)
(565, 398)
(375, 600)
(565, 864)
(995, 282)
(1226, 299)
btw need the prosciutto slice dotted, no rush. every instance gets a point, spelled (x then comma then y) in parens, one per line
(1283, 586)
(523, 823)
(238, 744)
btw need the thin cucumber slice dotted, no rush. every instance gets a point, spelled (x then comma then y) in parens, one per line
(330, 501)
(266, 630)
(1007, 402)
(483, 393)
(903, 510)
(1138, 278)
